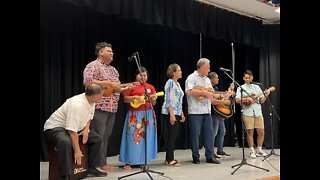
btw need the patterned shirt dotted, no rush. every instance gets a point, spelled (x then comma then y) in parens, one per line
(198, 106)
(254, 109)
(96, 70)
(173, 97)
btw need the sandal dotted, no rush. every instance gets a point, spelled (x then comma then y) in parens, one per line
(173, 163)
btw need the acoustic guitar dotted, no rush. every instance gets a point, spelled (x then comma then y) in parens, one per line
(201, 88)
(108, 90)
(135, 103)
(226, 109)
(248, 103)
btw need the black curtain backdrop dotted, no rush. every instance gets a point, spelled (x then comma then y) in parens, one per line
(163, 32)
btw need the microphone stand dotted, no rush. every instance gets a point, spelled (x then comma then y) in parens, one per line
(243, 161)
(271, 109)
(145, 168)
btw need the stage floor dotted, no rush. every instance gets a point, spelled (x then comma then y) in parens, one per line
(190, 171)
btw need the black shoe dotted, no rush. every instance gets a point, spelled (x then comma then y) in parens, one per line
(196, 161)
(64, 177)
(223, 153)
(216, 156)
(213, 160)
(96, 173)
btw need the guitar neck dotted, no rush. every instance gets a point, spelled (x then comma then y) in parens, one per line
(219, 92)
(125, 84)
(161, 93)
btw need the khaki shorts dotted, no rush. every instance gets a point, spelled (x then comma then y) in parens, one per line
(253, 122)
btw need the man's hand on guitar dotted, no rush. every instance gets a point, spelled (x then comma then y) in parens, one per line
(227, 94)
(130, 86)
(230, 92)
(208, 94)
(113, 85)
(248, 101)
(267, 92)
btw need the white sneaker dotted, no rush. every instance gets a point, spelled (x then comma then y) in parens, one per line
(253, 154)
(261, 153)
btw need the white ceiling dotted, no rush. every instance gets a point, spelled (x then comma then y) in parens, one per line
(252, 8)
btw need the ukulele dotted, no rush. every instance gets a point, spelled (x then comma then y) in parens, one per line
(135, 103)
(248, 103)
(108, 90)
(201, 88)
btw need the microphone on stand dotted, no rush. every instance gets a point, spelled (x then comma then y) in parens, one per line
(224, 69)
(132, 57)
(257, 83)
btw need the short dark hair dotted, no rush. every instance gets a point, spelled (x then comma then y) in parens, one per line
(211, 75)
(101, 45)
(142, 69)
(93, 89)
(248, 72)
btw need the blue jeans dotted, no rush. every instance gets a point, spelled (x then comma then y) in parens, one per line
(219, 130)
(201, 123)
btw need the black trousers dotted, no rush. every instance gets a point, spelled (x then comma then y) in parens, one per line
(63, 147)
(102, 124)
(171, 136)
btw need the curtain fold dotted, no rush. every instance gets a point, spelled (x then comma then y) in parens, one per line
(185, 15)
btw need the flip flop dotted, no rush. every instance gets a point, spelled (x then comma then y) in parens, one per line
(174, 163)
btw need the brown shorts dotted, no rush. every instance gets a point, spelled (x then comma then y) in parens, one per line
(253, 122)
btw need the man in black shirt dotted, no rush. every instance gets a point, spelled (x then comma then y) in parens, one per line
(218, 117)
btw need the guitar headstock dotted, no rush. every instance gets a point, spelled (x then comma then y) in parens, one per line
(231, 87)
(272, 88)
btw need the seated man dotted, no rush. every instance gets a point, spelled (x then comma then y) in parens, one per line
(70, 121)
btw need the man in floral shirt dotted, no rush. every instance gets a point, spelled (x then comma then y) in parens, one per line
(101, 72)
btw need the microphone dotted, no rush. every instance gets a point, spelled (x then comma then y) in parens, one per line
(257, 83)
(132, 57)
(224, 69)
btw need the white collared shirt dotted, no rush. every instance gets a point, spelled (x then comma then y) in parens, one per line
(72, 115)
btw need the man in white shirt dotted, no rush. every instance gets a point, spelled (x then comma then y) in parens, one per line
(70, 122)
